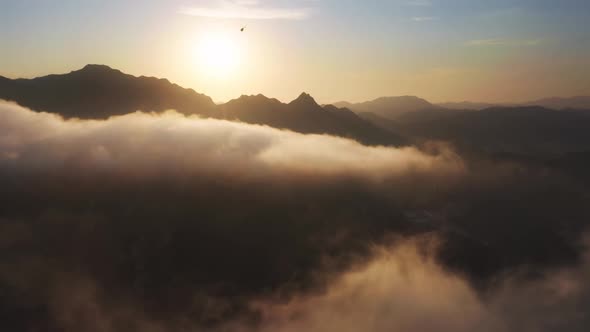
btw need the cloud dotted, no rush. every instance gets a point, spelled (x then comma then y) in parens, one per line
(247, 9)
(503, 42)
(199, 143)
(423, 18)
(165, 222)
(403, 289)
(399, 287)
(420, 3)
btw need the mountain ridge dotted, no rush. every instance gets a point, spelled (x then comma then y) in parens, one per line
(99, 92)
(389, 107)
(557, 103)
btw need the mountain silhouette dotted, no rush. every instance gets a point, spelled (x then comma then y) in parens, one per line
(466, 105)
(304, 115)
(390, 107)
(578, 103)
(304, 102)
(528, 130)
(559, 126)
(556, 103)
(98, 92)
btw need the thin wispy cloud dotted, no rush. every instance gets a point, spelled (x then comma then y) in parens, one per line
(421, 3)
(423, 18)
(503, 42)
(246, 9)
(247, 2)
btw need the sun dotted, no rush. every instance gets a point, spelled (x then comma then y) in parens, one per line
(218, 55)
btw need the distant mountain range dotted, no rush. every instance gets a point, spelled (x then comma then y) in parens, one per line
(466, 105)
(556, 103)
(577, 103)
(546, 127)
(304, 115)
(389, 107)
(525, 130)
(392, 107)
(98, 92)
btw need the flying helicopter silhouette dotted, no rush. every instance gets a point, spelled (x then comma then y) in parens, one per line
(243, 28)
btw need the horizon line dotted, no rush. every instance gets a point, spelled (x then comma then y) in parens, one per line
(221, 102)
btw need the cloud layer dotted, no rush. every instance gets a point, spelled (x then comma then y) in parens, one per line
(162, 222)
(403, 289)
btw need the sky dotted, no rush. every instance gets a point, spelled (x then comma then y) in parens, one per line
(441, 50)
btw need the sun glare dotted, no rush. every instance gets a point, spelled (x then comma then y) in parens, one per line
(218, 55)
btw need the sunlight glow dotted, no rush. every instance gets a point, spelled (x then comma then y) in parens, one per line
(218, 55)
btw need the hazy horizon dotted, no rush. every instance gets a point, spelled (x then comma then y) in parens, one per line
(318, 101)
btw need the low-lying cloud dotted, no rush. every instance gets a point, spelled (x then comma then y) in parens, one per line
(399, 288)
(171, 141)
(403, 289)
(165, 222)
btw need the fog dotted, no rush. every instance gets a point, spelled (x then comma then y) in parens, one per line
(148, 143)
(404, 289)
(170, 223)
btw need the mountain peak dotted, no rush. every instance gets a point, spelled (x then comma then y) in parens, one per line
(390, 107)
(254, 97)
(102, 92)
(304, 99)
(94, 68)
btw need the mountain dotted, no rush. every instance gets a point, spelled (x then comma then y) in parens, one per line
(465, 105)
(304, 115)
(389, 107)
(578, 102)
(529, 130)
(97, 92)
(556, 103)
(558, 126)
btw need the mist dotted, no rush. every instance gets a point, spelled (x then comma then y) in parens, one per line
(403, 289)
(159, 222)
